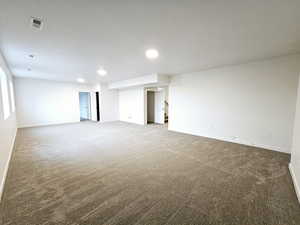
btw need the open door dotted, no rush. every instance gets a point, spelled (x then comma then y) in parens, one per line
(159, 115)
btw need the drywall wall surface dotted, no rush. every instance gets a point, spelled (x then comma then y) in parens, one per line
(109, 104)
(144, 81)
(42, 102)
(134, 82)
(295, 158)
(8, 129)
(253, 103)
(132, 105)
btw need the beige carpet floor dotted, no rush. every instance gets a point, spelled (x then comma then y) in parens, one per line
(118, 173)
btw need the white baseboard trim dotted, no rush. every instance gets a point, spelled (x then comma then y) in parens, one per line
(47, 124)
(7, 165)
(133, 122)
(237, 141)
(295, 182)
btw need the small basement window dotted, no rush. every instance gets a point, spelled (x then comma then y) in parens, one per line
(12, 96)
(4, 94)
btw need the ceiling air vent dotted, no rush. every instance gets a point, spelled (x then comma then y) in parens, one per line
(36, 23)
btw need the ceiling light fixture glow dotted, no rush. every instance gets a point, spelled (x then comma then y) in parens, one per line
(102, 72)
(80, 80)
(152, 54)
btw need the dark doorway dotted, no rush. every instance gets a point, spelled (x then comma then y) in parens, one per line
(98, 106)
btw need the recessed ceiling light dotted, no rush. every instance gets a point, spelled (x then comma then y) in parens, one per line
(80, 80)
(102, 72)
(152, 54)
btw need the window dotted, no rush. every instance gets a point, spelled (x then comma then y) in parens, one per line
(4, 93)
(12, 96)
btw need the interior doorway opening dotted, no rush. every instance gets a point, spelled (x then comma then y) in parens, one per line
(150, 106)
(157, 105)
(85, 106)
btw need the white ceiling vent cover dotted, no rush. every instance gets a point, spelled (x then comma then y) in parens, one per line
(36, 23)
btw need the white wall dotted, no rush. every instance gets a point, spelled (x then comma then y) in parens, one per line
(149, 80)
(295, 159)
(131, 105)
(109, 104)
(252, 104)
(8, 129)
(42, 102)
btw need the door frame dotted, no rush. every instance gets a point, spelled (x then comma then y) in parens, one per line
(98, 105)
(163, 89)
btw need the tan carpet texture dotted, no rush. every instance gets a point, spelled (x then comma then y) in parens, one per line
(118, 173)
